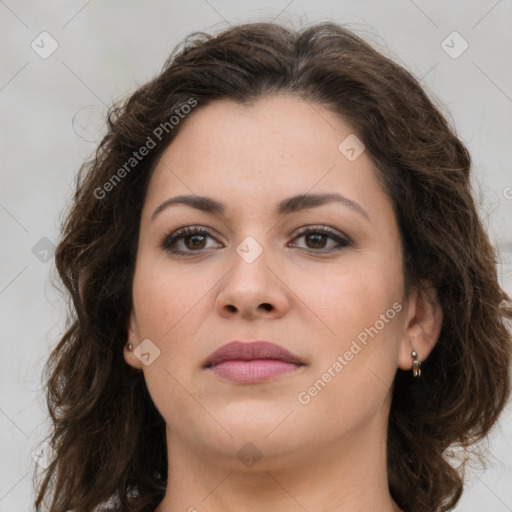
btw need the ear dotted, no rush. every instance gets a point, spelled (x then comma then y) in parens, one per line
(424, 318)
(133, 339)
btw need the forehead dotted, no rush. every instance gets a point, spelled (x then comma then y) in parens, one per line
(250, 155)
(274, 127)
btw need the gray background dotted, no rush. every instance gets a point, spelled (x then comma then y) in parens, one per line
(51, 119)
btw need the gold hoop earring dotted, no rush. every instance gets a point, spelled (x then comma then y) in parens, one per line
(416, 364)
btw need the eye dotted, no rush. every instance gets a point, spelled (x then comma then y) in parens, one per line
(317, 236)
(192, 238)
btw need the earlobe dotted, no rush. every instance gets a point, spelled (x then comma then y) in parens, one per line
(422, 327)
(130, 344)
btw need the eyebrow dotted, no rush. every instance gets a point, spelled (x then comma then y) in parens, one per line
(284, 207)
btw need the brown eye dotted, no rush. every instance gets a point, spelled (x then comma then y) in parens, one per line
(317, 238)
(195, 241)
(187, 240)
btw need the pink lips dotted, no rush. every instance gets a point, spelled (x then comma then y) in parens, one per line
(251, 362)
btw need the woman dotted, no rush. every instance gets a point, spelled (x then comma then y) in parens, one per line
(283, 297)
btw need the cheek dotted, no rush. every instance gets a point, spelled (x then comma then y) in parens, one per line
(350, 298)
(163, 300)
(167, 318)
(354, 367)
(361, 317)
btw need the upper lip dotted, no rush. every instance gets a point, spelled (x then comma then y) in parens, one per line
(249, 350)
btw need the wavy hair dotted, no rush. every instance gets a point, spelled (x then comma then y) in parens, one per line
(108, 435)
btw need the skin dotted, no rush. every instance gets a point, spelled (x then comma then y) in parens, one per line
(328, 454)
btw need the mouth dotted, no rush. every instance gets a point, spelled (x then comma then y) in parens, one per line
(252, 362)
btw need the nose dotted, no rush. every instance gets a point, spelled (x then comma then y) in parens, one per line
(253, 290)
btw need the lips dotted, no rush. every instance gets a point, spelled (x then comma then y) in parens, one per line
(248, 351)
(252, 362)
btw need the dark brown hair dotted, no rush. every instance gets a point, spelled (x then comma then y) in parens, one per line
(109, 437)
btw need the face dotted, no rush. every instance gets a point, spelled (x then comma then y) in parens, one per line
(322, 280)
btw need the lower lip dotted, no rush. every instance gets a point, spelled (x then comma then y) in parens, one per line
(253, 371)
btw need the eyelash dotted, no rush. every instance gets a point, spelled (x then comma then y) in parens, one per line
(188, 231)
